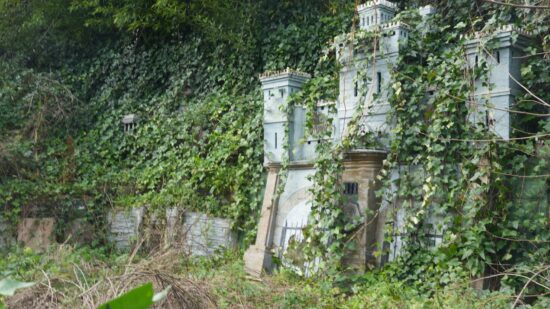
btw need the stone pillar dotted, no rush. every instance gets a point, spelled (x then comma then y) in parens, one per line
(362, 167)
(258, 258)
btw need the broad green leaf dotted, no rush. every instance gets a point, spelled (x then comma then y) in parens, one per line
(8, 286)
(138, 298)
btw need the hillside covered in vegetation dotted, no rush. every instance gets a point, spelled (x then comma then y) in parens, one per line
(189, 69)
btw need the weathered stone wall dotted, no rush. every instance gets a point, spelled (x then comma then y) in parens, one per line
(124, 226)
(36, 233)
(6, 236)
(203, 235)
(195, 233)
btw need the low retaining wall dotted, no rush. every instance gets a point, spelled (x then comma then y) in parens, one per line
(195, 233)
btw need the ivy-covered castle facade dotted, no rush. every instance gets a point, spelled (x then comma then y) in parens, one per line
(364, 87)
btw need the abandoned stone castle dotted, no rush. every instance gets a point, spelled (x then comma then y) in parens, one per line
(284, 215)
(286, 212)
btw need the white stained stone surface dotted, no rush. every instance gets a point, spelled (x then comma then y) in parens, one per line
(296, 193)
(124, 226)
(203, 235)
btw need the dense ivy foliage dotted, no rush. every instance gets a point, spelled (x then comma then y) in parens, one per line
(188, 70)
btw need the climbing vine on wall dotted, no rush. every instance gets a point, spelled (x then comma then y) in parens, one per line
(448, 167)
(189, 74)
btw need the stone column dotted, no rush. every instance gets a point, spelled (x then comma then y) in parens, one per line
(258, 258)
(362, 167)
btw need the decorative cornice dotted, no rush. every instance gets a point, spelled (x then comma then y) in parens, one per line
(325, 103)
(292, 165)
(394, 24)
(375, 3)
(130, 118)
(287, 71)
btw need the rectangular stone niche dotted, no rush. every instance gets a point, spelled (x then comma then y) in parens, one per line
(36, 233)
(203, 235)
(124, 226)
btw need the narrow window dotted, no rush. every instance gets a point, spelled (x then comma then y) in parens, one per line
(498, 57)
(275, 140)
(477, 60)
(355, 89)
(282, 92)
(379, 82)
(351, 188)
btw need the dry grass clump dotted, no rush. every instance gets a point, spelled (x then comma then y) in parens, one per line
(42, 295)
(184, 293)
(88, 285)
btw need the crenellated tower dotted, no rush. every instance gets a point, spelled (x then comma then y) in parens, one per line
(277, 87)
(374, 63)
(374, 13)
(494, 96)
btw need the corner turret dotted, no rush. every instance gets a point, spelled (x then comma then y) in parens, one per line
(277, 87)
(375, 13)
(501, 51)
